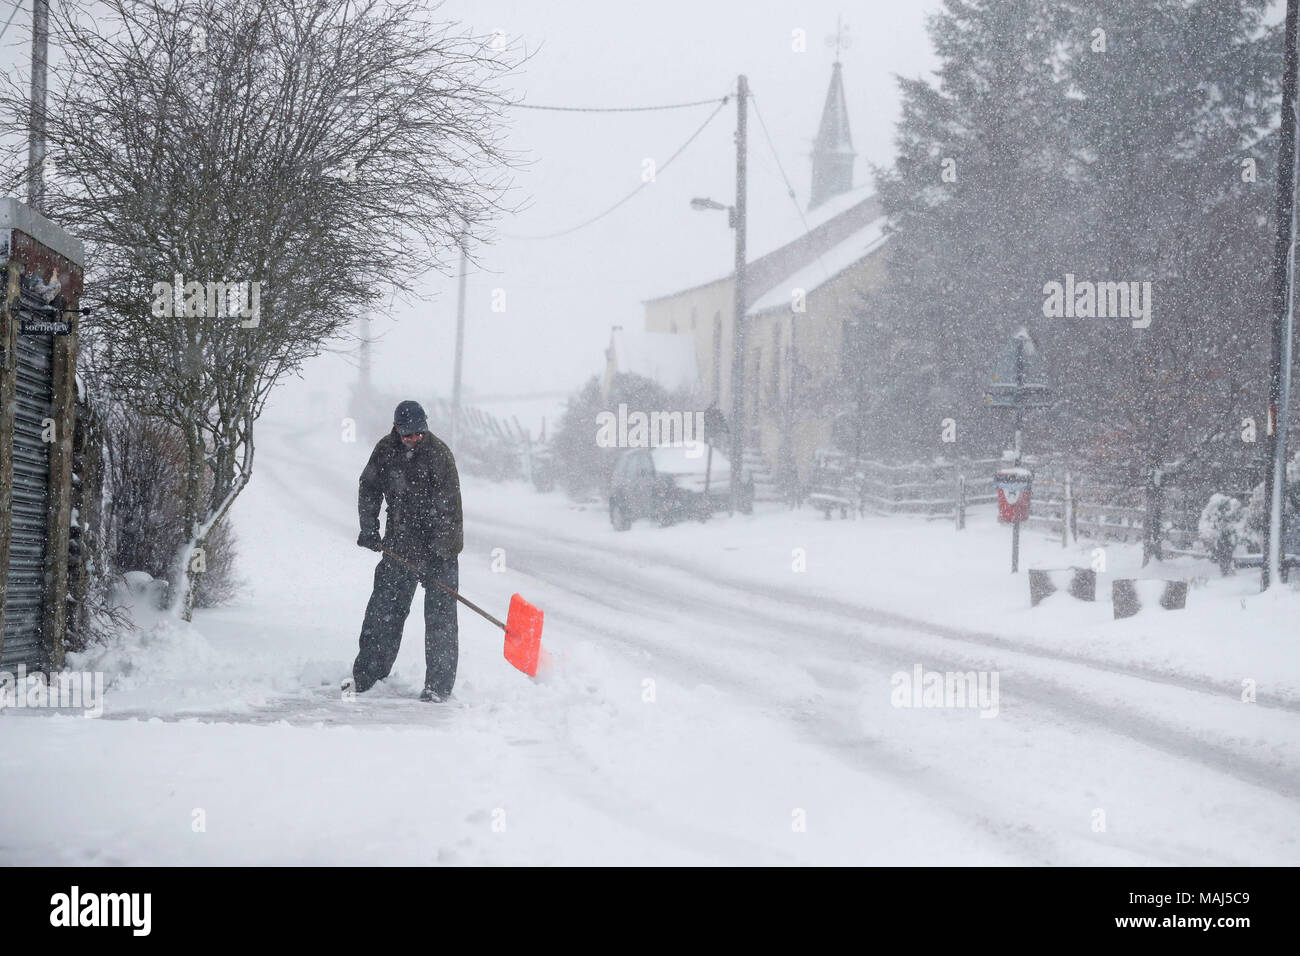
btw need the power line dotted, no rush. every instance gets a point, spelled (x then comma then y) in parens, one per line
(680, 149)
(17, 6)
(770, 145)
(798, 208)
(615, 109)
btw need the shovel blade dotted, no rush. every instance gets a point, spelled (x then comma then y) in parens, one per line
(523, 635)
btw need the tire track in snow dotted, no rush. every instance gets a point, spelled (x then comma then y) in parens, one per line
(942, 791)
(846, 609)
(1048, 693)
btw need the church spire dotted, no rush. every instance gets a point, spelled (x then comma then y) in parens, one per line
(833, 153)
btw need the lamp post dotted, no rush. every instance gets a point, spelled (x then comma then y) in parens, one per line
(736, 452)
(715, 419)
(460, 351)
(1283, 325)
(736, 219)
(36, 141)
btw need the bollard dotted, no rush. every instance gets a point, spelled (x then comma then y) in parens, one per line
(1044, 581)
(1128, 597)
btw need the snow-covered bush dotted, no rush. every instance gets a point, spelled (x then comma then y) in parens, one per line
(1220, 528)
(582, 466)
(144, 464)
(1257, 507)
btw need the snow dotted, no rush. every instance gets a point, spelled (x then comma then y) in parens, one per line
(825, 267)
(922, 572)
(691, 467)
(689, 459)
(783, 223)
(708, 702)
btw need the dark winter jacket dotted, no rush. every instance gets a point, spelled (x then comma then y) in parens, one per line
(423, 493)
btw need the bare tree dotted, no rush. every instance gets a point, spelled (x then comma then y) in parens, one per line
(249, 175)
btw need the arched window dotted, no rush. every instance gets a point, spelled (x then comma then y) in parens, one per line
(851, 348)
(775, 386)
(717, 358)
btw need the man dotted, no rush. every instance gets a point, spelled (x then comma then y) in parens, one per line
(416, 474)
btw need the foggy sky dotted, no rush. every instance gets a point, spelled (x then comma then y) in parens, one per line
(563, 294)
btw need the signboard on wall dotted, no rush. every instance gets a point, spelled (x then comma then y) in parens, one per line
(54, 322)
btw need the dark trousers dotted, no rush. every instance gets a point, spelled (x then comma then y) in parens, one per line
(390, 603)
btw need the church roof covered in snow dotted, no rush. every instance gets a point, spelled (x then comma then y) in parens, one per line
(825, 267)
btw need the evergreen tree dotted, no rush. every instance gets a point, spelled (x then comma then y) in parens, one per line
(1104, 140)
(976, 183)
(1167, 98)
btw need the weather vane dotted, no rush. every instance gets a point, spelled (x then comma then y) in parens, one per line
(841, 39)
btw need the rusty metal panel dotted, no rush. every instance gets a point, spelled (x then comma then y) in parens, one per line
(30, 504)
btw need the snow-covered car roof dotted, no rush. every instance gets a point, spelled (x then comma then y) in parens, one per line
(688, 459)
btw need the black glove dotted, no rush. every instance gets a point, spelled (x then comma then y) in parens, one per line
(371, 540)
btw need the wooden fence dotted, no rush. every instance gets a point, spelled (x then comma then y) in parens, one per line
(485, 444)
(940, 489)
(1063, 504)
(1072, 506)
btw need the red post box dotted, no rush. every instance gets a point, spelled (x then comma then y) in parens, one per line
(1013, 494)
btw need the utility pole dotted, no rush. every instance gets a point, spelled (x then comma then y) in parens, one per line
(36, 142)
(1020, 429)
(460, 350)
(363, 362)
(739, 324)
(1019, 344)
(1279, 384)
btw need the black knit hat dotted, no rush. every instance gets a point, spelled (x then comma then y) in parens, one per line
(409, 418)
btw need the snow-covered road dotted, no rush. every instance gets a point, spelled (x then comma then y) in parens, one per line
(695, 712)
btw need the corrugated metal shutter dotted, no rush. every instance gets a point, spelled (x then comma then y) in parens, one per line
(35, 388)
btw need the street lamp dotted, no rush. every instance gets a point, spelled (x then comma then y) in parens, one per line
(736, 218)
(698, 203)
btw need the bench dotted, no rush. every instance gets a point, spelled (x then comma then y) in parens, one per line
(833, 486)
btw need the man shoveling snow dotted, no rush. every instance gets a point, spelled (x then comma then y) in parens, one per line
(415, 473)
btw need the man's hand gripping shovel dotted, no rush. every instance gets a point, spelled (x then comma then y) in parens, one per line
(523, 624)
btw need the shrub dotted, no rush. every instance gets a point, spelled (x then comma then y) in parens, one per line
(1257, 507)
(144, 464)
(581, 466)
(1220, 529)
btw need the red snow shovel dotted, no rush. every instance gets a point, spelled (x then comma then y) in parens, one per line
(523, 624)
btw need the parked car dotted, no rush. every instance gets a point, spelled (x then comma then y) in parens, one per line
(668, 484)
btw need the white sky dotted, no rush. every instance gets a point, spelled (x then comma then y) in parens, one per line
(563, 294)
